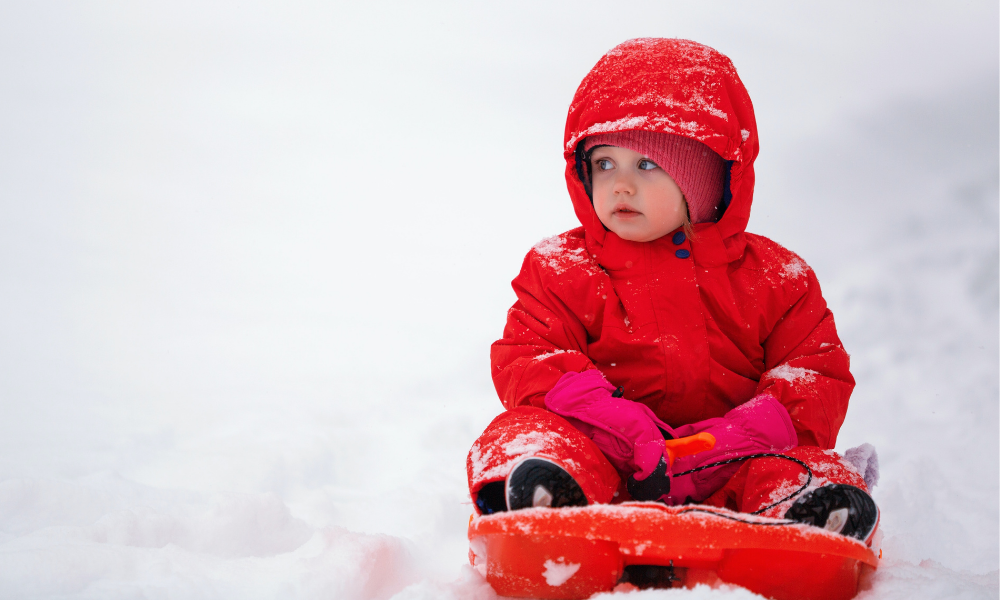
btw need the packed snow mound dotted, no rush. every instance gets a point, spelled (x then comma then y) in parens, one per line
(109, 538)
(105, 509)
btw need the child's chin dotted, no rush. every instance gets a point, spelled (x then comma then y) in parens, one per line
(635, 236)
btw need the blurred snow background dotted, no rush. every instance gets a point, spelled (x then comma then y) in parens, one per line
(252, 256)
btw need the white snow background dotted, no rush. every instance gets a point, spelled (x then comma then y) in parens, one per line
(252, 256)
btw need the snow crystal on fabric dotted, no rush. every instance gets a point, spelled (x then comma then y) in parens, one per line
(558, 256)
(480, 461)
(864, 458)
(557, 573)
(692, 84)
(488, 474)
(623, 124)
(792, 374)
(794, 269)
(524, 443)
(548, 354)
(788, 487)
(487, 465)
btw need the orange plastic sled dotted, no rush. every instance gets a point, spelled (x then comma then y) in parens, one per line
(576, 552)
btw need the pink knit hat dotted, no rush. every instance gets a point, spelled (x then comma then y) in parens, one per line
(697, 169)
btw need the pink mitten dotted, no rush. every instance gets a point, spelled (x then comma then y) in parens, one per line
(760, 425)
(627, 432)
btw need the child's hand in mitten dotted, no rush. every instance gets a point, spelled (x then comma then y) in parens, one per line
(627, 432)
(761, 425)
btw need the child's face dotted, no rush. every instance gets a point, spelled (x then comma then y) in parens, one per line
(633, 196)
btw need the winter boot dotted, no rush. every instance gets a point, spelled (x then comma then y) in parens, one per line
(839, 508)
(490, 498)
(540, 482)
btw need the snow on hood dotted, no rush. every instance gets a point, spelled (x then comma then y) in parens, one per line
(668, 86)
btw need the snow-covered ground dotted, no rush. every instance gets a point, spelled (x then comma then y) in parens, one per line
(252, 258)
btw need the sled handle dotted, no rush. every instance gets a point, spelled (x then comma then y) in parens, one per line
(689, 445)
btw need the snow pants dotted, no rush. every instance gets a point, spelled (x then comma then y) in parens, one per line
(529, 431)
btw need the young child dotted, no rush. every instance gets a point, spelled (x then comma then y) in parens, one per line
(661, 317)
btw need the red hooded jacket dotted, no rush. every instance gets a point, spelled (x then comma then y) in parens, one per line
(691, 335)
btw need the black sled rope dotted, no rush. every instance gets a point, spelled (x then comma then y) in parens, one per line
(801, 489)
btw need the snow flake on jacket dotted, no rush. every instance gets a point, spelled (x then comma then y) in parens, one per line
(562, 252)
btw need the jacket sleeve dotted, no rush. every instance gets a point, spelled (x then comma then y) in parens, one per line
(807, 368)
(541, 342)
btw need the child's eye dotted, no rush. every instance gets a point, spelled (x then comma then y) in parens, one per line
(603, 164)
(647, 165)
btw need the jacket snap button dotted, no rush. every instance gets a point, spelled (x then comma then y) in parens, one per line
(628, 264)
(679, 238)
(682, 253)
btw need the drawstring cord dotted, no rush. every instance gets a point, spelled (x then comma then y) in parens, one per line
(801, 489)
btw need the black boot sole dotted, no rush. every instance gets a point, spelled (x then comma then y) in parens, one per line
(532, 473)
(815, 507)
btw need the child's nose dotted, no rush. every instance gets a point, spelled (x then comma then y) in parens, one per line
(624, 183)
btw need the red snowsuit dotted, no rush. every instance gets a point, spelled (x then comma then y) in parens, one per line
(691, 328)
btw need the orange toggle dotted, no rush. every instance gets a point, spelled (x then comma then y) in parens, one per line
(689, 445)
